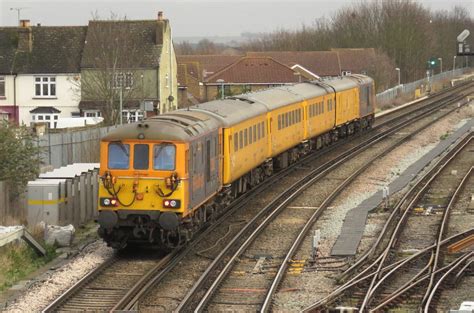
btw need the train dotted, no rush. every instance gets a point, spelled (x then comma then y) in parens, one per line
(165, 177)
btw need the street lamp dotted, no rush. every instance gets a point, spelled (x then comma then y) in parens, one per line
(221, 81)
(398, 71)
(440, 65)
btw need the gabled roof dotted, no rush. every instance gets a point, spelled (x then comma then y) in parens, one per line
(54, 50)
(356, 60)
(144, 37)
(209, 64)
(263, 70)
(45, 110)
(322, 63)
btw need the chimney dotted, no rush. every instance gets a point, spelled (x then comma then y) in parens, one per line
(160, 29)
(24, 23)
(25, 43)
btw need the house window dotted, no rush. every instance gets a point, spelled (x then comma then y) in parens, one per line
(92, 113)
(130, 116)
(51, 120)
(45, 86)
(2, 86)
(123, 80)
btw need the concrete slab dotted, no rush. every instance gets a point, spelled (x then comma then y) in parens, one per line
(354, 222)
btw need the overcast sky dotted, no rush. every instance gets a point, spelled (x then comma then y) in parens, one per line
(192, 17)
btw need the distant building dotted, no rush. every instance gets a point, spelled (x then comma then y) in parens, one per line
(199, 76)
(44, 70)
(39, 69)
(146, 74)
(248, 74)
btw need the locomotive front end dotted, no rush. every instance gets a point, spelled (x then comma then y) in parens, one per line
(142, 191)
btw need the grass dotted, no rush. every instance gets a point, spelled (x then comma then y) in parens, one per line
(17, 260)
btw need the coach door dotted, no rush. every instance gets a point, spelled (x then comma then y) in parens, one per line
(211, 166)
(197, 178)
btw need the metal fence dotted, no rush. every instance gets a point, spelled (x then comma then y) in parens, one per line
(61, 149)
(392, 93)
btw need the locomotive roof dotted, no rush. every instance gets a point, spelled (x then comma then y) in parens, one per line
(181, 125)
(274, 98)
(231, 111)
(340, 84)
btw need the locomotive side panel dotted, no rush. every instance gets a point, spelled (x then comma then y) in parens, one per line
(246, 147)
(287, 127)
(319, 115)
(347, 106)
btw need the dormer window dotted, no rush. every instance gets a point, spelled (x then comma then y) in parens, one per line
(45, 86)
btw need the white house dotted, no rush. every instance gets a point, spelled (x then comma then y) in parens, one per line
(40, 72)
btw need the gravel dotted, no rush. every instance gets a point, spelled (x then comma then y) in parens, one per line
(41, 293)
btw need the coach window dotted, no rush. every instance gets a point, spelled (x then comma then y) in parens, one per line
(119, 155)
(140, 157)
(236, 142)
(279, 121)
(241, 140)
(254, 133)
(246, 141)
(164, 157)
(250, 135)
(258, 131)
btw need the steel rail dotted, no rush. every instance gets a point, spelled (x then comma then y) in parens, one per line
(384, 231)
(175, 259)
(442, 278)
(185, 302)
(71, 291)
(441, 232)
(360, 278)
(431, 175)
(284, 266)
(390, 298)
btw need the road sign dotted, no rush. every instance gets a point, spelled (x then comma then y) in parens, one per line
(462, 36)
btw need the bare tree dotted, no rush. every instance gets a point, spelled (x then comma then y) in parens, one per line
(402, 29)
(111, 59)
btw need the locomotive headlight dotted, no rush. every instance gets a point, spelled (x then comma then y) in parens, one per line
(108, 202)
(172, 203)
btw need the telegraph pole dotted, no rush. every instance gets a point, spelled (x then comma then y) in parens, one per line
(18, 10)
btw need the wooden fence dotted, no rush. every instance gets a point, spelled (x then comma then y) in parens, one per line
(12, 211)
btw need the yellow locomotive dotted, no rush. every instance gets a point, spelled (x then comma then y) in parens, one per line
(162, 178)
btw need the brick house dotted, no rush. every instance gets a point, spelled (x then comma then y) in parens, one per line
(199, 76)
(248, 74)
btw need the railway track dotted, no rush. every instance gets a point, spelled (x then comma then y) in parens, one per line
(227, 263)
(414, 275)
(104, 287)
(145, 279)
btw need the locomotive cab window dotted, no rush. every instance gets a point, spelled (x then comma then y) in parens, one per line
(119, 155)
(164, 157)
(140, 157)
